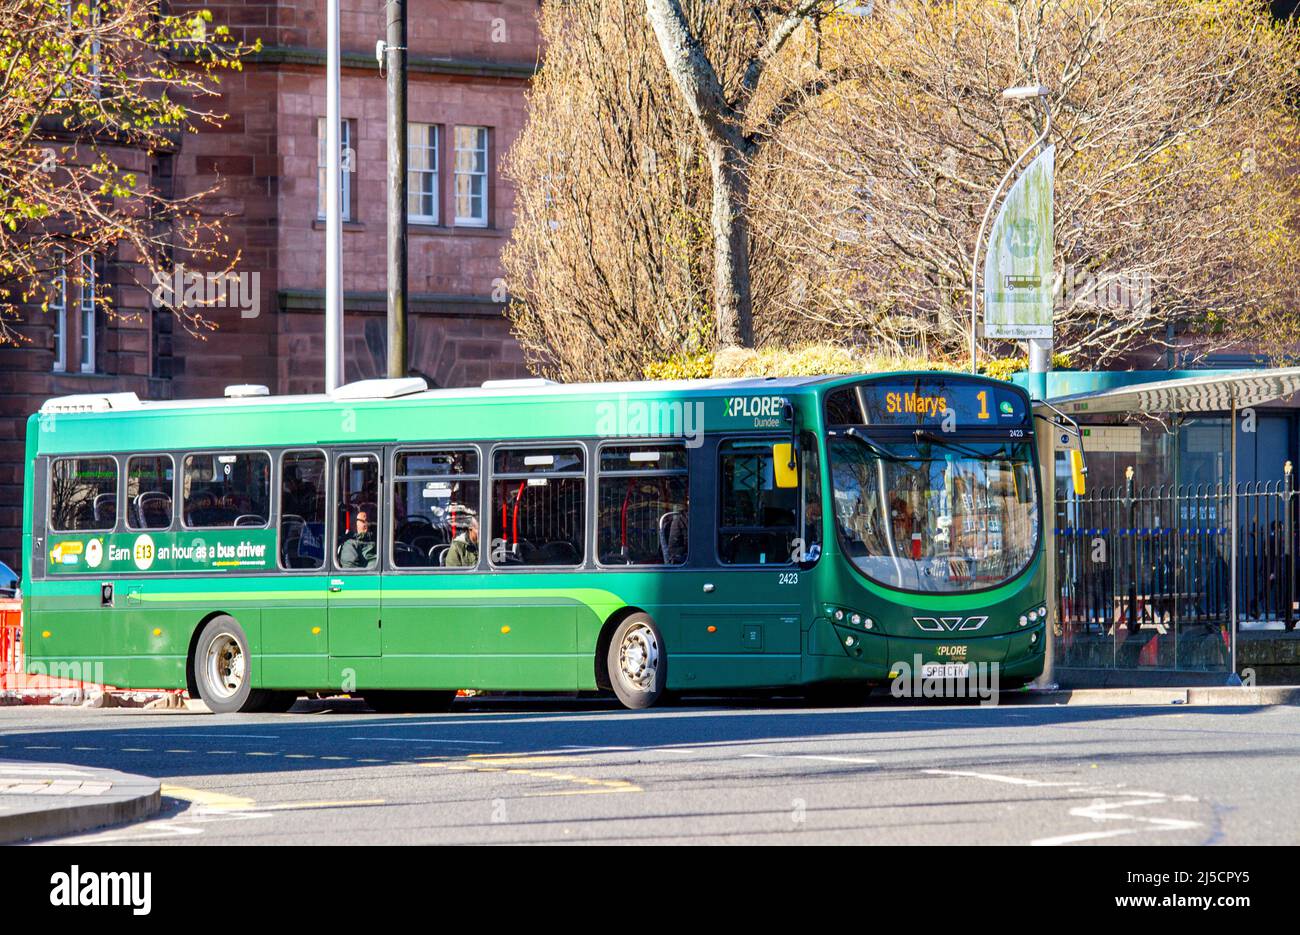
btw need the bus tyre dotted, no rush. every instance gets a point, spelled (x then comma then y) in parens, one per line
(409, 702)
(223, 668)
(637, 662)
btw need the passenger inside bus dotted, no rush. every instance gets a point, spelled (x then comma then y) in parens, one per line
(358, 551)
(463, 551)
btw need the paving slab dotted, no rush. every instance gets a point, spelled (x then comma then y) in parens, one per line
(42, 800)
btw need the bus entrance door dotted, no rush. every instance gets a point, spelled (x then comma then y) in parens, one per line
(354, 585)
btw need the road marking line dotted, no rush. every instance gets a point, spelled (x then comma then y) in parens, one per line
(492, 759)
(207, 798)
(1105, 811)
(228, 736)
(340, 803)
(542, 795)
(994, 777)
(862, 761)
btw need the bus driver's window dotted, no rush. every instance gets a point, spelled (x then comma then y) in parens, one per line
(357, 528)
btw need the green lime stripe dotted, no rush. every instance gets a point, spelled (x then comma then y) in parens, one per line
(600, 602)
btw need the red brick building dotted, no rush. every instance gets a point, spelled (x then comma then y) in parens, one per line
(469, 64)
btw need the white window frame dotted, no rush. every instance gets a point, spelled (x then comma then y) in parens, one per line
(88, 315)
(345, 170)
(473, 175)
(60, 311)
(422, 182)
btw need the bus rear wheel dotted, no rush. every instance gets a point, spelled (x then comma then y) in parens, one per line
(637, 663)
(409, 702)
(223, 670)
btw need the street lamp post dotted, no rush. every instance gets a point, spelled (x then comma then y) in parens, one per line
(1022, 93)
(333, 207)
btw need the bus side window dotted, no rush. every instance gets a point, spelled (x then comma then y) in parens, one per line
(760, 521)
(222, 489)
(149, 482)
(302, 509)
(538, 506)
(356, 528)
(435, 509)
(642, 516)
(811, 535)
(83, 494)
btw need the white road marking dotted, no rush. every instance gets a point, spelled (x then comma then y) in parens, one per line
(1098, 811)
(863, 761)
(1105, 811)
(994, 777)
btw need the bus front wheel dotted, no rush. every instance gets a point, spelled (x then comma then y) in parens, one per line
(637, 662)
(223, 668)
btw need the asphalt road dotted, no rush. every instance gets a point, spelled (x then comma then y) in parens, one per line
(543, 770)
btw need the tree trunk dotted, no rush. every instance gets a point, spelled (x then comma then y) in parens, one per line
(733, 309)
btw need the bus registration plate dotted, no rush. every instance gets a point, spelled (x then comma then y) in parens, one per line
(945, 670)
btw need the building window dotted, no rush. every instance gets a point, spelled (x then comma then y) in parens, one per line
(471, 176)
(88, 313)
(347, 166)
(422, 172)
(59, 312)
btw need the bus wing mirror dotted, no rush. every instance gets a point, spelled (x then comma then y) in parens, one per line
(1078, 472)
(784, 468)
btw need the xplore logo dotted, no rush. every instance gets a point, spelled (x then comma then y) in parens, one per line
(104, 888)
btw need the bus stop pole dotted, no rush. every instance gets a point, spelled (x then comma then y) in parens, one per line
(1232, 489)
(1047, 483)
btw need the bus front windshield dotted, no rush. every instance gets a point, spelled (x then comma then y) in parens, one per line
(935, 515)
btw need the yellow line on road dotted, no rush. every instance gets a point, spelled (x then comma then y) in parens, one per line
(499, 763)
(207, 798)
(341, 803)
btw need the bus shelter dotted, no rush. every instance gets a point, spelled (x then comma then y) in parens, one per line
(1186, 536)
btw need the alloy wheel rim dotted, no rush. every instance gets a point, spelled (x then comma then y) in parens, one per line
(225, 666)
(638, 657)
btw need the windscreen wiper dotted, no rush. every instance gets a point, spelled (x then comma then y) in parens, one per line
(922, 435)
(878, 449)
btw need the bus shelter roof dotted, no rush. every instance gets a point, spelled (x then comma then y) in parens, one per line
(1218, 392)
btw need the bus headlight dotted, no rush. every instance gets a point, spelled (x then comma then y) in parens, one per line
(839, 614)
(1024, 621)
(856, 620)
